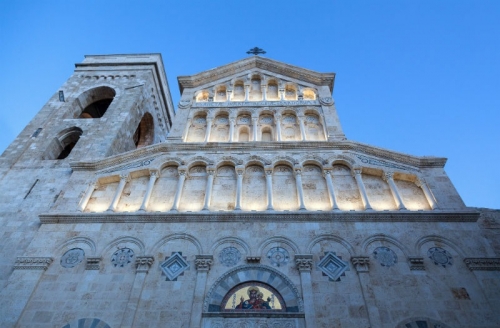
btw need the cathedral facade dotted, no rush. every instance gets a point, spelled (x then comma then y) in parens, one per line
(245, 206)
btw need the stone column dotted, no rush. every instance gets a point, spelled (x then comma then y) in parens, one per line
(269, 185)
(142, 264)
(282, 94)
(277, 119)
(394, 190)
(202, 264)
(255, 122)
(300, 191)
(178, 192)
(209, 129)
(86, 197)
(153, 175)
(232, 122)
(124, 178)
(361, 187)
(264, 92)
(208, 190)
(302, 128)
(362, 266)
(229, 93)
(239, 186)
(247, 87)
(304, 264)
(328, 176)
(186, 130)
(430, 198)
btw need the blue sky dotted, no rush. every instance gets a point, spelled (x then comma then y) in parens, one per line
(419, 77)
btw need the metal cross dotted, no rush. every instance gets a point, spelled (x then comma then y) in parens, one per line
(255, 51)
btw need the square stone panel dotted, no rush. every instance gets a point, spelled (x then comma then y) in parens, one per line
(332, 266)
(174, 266)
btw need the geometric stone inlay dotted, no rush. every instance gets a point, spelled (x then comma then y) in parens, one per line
(333, 266)
(230, 256)
(72, 257)
(385, 256)
(278, 256)
(440, 256)
(174, 266)
(122, 257)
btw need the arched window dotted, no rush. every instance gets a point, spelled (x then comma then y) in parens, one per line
(253, 296)
(62, 145)
(267, 135)
(145, 133)
(95, 102)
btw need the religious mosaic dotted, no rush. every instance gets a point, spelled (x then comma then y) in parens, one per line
(440, 256)
(332, 266)
(253, 296)
(278, 256)
(122, 257)
(174, 266)
(229, 256)
(385, 256)
(72, 258)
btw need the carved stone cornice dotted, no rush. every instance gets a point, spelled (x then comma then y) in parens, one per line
(32, 263)
(361, 263)
(304, 262)
(93, 263)
(135, 159)
(244, 216)
(253, 259)
(483, 263)
(143, 263)
(416, 263)
(203, 262)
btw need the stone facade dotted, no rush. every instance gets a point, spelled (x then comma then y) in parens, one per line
(245, 207)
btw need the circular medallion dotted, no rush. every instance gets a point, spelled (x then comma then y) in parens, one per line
(385, 256)
(72, 257)
(278, 256)
(229, 256)
(122, 257)
(440, 256)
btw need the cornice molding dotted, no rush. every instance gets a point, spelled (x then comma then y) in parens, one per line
(483, 263)
(150, 152)
(32, 263)
(263, 216)
(273, 66)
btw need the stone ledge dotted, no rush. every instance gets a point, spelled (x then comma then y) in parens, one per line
(483, 263)
(253, 314)
(32, 263)
(263, 216)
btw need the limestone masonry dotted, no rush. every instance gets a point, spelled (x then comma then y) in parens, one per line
(246, 206)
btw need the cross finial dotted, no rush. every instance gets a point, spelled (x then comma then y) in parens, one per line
(255, 51)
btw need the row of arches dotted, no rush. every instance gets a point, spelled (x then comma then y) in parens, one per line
(255, 87)
(266, 125)
(257, 187)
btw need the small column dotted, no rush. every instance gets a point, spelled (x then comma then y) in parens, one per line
(232, 122)
(239, 185)
(277, 119)
(282, 94)
(430, 198)
(186, 130)
(178, 192)
(229, 93)
(362, 266)
(255, 121)
(269, 185)
(362, 190)
(264, 92)
(302, 128)
(124, 178)
(153, 175)
(394, 190)
(328, 176)
(209, 129)
(300, 191)
(86, 197)
(247, 87)
(142, 264)
(304, 264)
(202, 264)
(208, 190)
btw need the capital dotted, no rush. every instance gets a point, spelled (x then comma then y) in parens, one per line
(203, 262)
(304, 262)
(361, 263)
(387, 176)
(154, 173)
(143, 263)
(125, 176)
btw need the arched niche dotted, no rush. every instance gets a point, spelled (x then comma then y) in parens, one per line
(221, 94)
(220, 129)
(346, 189)
(239, 91)
(290, 92)
(284, 189)
(162, 196)
(243, 127)
(272, 90)
(255, 93)
(313, 127)
(145, 133)
(315, 188)
(198, 128)
(61, 146)
(224, 189)
(266, 122)
(193, 193)
(202, 96)
(289, 127)
(95, 102)
(309, 94)
(254, 189)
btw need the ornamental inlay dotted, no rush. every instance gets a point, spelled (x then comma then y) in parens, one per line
(230, 256)
(333, 266)
(174, 266)
(385, 256)
(440, 256)
(278, 256)
(122, 257)
(72, 258)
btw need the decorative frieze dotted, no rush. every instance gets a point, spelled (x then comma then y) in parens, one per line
(483, 263)
(92, 263)
(416, 263)
(32, 263)
(283, 103)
